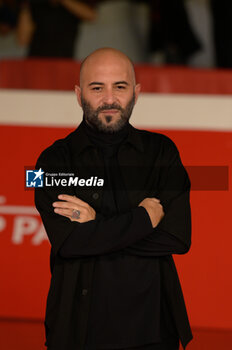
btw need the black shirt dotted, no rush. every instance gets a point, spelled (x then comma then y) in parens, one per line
(150, 166)
(125, 293)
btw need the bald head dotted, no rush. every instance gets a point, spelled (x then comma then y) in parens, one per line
(103, 58)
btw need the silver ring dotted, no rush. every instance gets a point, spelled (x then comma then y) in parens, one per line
(76, 214)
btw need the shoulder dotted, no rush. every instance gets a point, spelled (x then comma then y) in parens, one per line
(158, 141)
(56, 154)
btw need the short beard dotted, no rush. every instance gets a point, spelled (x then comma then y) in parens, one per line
(92, 115)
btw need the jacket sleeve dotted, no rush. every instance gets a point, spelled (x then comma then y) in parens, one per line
(173, 234)
(95, 237)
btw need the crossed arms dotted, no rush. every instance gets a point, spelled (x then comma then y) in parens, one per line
(145, 230)
(137, 232)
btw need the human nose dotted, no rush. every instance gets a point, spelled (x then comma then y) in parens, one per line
(109, 96)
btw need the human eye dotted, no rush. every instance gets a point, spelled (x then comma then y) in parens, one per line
(96, 88)
(120, 87)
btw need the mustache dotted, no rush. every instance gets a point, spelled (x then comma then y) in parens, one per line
(108, 107)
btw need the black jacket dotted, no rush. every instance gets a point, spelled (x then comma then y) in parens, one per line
(151, 167)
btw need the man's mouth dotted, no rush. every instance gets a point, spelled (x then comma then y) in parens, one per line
(110, 111)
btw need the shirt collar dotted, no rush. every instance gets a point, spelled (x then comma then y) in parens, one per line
(134, 138)
(82, 142)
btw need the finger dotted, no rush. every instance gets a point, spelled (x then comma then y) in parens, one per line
(65, 205)
(67, 215)
(72, 199)
(62, 214)
(66, 212)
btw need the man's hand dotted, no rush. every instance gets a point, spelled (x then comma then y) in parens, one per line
(154, 209)
(70, 203)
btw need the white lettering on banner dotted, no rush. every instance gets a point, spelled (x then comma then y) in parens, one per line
(2, 223)
(40, 235)
(23, 225)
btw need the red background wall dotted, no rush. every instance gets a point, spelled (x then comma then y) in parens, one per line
(205, 272)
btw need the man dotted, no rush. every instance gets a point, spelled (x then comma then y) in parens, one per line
(114, 284)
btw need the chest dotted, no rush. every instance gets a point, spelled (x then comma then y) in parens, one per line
(139, 172)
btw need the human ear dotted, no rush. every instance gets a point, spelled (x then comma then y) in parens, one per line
(137, 91)
(78, 94)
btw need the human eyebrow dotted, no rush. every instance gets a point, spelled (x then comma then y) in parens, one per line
(123, 82)
(95, 83)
